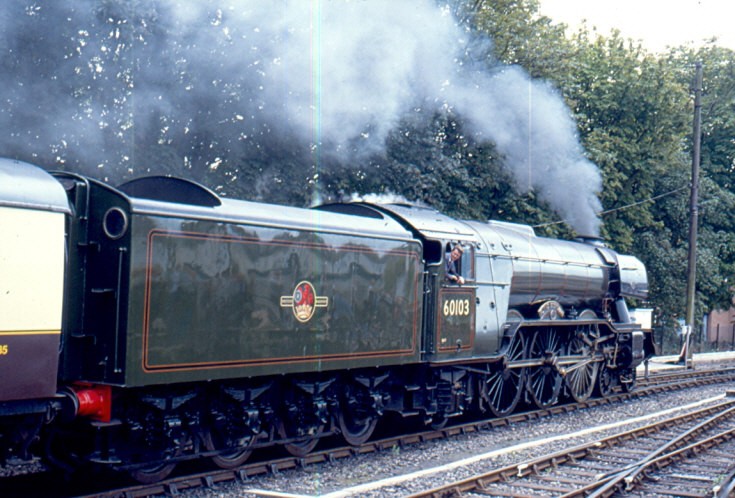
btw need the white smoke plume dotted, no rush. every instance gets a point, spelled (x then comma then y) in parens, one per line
(385, 198)
(334, 77)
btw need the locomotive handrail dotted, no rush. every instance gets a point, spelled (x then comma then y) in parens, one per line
(546, 260)
(450, 285)
(490, 282)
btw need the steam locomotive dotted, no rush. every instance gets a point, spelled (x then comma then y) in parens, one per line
(155, 322)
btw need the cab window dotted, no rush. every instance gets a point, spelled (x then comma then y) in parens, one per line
(468, 263)
(462, 266)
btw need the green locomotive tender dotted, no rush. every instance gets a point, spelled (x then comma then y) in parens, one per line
(192, 325)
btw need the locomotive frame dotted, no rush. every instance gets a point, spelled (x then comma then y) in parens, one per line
(196, 326)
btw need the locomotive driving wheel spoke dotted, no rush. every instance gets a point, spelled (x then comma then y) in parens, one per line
(544, 381)
(580, 380)
(502, 388)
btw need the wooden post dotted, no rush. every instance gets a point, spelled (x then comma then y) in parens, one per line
(693, 215)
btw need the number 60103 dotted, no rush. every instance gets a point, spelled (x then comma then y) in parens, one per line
(457, 307)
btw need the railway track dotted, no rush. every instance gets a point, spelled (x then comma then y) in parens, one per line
(634, 460)
(659, 383)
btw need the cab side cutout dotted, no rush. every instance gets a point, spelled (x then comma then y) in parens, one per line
(465, 265)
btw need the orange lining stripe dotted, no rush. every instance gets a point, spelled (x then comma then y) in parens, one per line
(238, 363)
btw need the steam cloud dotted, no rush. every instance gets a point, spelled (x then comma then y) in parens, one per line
(83, 81)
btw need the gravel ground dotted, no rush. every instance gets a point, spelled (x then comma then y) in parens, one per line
(343, 477)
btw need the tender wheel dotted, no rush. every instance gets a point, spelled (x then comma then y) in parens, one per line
(580, 382)
(230, 428)
(154, 473)
(214, 440)
(544, 381)
(147, 444)
(304, 412)
(356, 432)
(296, 448)
(501, 390)
(358, 414)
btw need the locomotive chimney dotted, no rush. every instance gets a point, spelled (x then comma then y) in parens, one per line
(592, 240)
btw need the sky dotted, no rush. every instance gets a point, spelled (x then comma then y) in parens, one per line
(656, 23)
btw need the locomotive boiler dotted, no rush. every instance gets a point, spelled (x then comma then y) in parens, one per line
(156, 321)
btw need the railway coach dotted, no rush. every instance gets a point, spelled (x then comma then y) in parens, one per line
(155, 321)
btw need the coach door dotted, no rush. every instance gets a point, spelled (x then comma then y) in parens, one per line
(455, 311)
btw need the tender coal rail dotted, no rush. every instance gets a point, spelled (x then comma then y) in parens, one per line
(37, 485)
(635, 460)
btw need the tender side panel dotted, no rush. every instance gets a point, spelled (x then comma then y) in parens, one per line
(212, 300)
(31, 297)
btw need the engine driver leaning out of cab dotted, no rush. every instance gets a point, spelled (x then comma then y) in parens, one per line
(452, 274)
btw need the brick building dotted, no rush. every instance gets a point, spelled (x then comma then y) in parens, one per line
(721, 328)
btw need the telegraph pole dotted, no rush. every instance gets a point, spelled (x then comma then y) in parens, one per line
(686, 354)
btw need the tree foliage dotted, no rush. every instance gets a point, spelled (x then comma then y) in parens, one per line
(632, 109)
(634, 113)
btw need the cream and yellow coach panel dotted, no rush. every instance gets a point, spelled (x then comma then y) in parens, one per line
(32, 269)
(32, 240)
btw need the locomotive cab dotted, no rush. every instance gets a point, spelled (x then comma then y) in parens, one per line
(452, 310)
